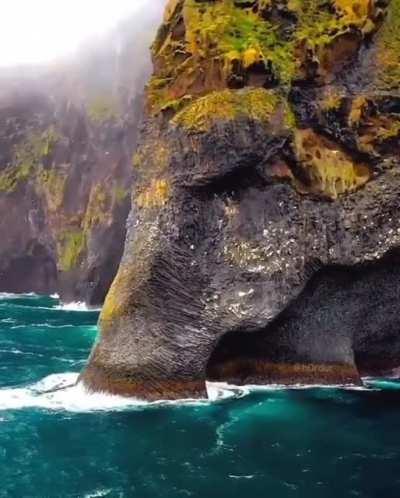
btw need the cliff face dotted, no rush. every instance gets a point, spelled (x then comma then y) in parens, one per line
(67, 136)
(262, 241)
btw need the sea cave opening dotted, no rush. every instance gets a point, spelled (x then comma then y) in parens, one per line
(35, 271)
(345, 324)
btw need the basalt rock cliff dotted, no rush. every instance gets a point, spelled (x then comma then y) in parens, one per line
(67, 137)
(263, 241)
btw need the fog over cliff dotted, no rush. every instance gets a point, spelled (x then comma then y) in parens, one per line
(96, 50)
(44, 31)
(68, 131)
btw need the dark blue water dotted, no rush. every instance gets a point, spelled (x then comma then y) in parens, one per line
(284, 443)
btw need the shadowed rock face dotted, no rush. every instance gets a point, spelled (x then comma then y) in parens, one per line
(261, 240)
(344, 315)
(64, 195)
(67, 136)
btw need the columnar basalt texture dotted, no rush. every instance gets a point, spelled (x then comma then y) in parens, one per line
(262, 239)
(68, 133)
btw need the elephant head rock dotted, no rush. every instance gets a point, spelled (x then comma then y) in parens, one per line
(262, 241)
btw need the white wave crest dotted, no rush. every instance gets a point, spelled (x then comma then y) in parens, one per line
(61, 392)
(217, 391)
(12, 295)
(76, 306)
(99, 492)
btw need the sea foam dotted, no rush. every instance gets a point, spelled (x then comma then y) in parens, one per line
(12, 295)
(60, 392)
(76, 306)
(222, 390)
(63, 392)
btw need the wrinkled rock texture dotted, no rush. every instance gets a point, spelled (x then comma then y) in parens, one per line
(67, 136)
(263, 239)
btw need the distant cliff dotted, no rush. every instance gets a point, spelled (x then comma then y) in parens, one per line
(263, 239)
(67, 137)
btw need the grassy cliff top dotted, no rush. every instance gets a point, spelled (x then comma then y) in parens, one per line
(220, 61)
(210, 45)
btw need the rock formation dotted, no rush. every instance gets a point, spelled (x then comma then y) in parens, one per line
(263, 239)
(67, 136)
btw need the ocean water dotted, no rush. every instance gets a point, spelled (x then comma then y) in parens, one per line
(58, 441)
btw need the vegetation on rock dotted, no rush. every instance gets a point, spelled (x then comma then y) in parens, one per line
(155, 195)
(51, 183)
(388, 49)
(28, 158)
(70, 244)
(329, 170)
(223, 60)
(213, 44)
(102, 109)
(226, 105)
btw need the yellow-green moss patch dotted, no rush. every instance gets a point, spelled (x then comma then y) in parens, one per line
(120, 194)
(158, 153)
(27, 158)
(254, 103)
(388, 52)
(51, 183)
(224, 40)
(230, 27)
(98, 210)
(70, 245)
(330, 171)
(102, 109)
(155, 195)
(13, 175)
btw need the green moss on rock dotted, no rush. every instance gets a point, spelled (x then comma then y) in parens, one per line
(253, 103)
(27, 158)
(98, 211)
(70, 246)
(120, 194)
(230, 28)
(12, 176)
(51, 183)
(207, 46)
(102, 109)
(388, 52)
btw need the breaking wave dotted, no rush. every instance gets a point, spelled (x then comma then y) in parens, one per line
(60, 392)
(76, 306)
(64, 392)
(12, 295)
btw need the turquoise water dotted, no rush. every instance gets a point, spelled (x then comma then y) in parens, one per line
(311, 443)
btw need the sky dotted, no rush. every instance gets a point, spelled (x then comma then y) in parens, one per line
(39, 31)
